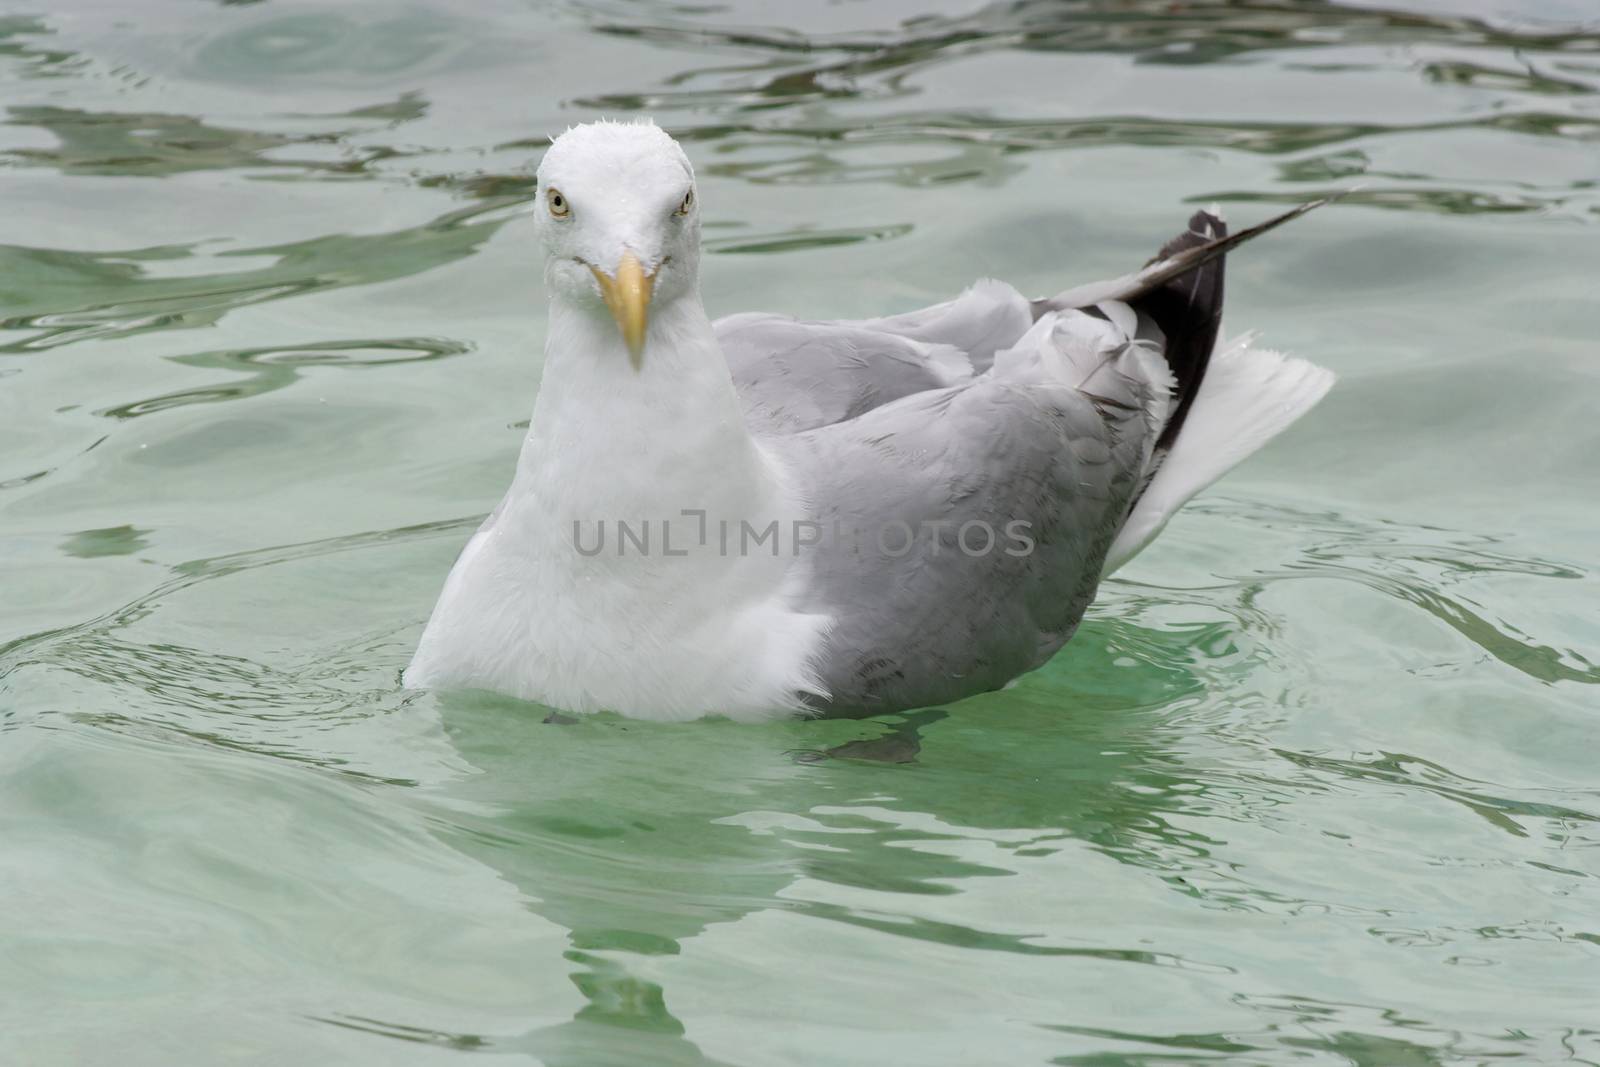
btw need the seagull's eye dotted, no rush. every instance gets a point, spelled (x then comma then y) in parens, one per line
(558, 204)
(688, 202)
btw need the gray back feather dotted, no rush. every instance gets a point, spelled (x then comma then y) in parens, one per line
(962, 529)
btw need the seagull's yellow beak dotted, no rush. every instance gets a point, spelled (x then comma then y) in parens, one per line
(628, 296)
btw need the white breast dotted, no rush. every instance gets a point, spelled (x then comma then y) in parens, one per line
(678, 617)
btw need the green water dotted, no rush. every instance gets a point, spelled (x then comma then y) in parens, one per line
(1316, 783)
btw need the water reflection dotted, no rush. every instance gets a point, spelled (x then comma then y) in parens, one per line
(111, 541)
(637, 837)
(132, 142)
(876, 64)
(1153, 30)
(111, 296)
(1416, 565)
(267, 370)
(18, 35)
(323, 706)
(819, 81)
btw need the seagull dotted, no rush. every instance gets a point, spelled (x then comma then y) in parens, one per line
(763, 516)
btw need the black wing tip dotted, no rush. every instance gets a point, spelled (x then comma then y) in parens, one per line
(1187, 304)
(1204, 228)
(1207, 225)
(1223, 240)
(1188, 310)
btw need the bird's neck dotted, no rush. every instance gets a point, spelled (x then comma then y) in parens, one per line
(611, 442)
(683, 612)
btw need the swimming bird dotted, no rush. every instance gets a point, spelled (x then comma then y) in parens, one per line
(766, 516)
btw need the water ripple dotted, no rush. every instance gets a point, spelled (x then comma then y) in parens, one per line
(269, 369)
(1415, 565)
(111, 296)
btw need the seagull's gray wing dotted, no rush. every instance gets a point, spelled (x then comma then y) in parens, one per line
(963, 527)
(962, 530)
(793, 375)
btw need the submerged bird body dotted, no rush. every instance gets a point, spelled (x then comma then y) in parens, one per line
(765, 516)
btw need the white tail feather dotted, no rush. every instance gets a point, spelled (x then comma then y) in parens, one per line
(1247, 397)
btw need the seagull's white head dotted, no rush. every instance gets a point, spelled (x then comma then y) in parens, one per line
(620, 222)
